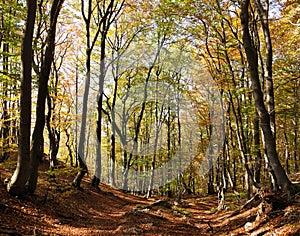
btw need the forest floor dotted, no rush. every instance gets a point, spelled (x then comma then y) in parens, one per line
(59, 209)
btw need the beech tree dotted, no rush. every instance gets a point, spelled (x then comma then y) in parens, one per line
(16, 186)
(87, 14)
(264, 116)
(99, 15)
(108, 14)
(37, 149)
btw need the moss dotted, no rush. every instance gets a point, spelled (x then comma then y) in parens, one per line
(180, 211)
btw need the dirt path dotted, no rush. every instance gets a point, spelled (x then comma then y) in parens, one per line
(59, 209)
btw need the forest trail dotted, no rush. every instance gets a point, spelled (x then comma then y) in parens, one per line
(59, 209)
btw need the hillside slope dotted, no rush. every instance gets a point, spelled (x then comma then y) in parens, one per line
(59, 209)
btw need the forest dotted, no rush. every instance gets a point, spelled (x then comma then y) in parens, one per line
(162, 117)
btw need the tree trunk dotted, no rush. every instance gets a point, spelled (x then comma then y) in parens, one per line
(37, 149)
(97, 174)
(222, 185)
(53, 134)
(113, 158)
(80, 174)
(158, 121)
(125, 171)
(296, 128)
(16, 186)
(113, 135)
(81, 147)
(264, 116)
(4, 130)
(257, 151)
(210, 183)
(69, 145)
(263, 15)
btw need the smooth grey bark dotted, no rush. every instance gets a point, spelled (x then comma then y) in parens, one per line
(252, 58)
(263, 15)
(16, 186)
(89, 48)
(97, 175)
(37, 150)
(257, 151)
(110, 12)
(267, 74)
(104, 18)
